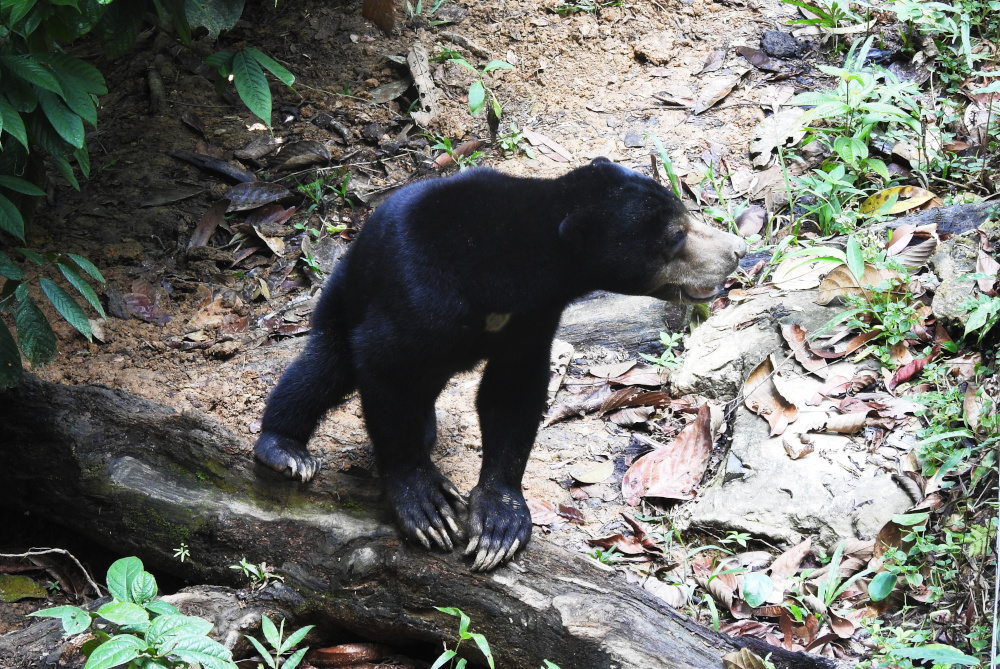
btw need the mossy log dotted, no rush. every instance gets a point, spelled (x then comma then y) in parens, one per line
(141, 478)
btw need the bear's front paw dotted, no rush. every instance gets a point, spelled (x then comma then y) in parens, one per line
(417, 497)
(499, 525)
(286, 455)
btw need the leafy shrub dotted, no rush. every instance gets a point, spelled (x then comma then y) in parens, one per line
(143, 629)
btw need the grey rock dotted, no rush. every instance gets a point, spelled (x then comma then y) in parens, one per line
(718, 356)
(657, 48)
(781, 45)
(634, 140)
(954, 259)
(620, 322)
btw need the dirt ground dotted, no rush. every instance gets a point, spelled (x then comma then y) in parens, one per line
(593, 83)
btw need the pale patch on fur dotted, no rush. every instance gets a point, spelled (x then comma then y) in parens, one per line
(496, 322)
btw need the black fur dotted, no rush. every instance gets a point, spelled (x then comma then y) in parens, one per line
(449, 272)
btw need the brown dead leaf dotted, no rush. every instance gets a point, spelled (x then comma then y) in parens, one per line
(543, 511)
(784, 568)
(672, 471)
(762, 397)
(985, 264)
(907, 372)
(611, 371)
(972, 407)
(758, 58)
(751, 220)
(841, 282)
(631, 415)
(908, 197)
(848, 423)
(208, 223)
(779, 129)
(674, 595)
(863, 379)
(795, 335)
(594, 473)
(834, 386)
(631, 396)
(852, 346)
(963, 368)
(713, 61)
(380, 12)
(799, 274)
(743, 659)
(713, 92)
(253, 194)
(548, 147)
(796, 448)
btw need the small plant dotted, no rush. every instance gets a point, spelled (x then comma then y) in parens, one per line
(413, 11)
(668, 165)
(831, 587)
(462, 160)
(463, 635)
(275, 637)
(585, 6)
(984, 312)
(259, 574)
(668, 358)
(182, 553)
(607, 556)
(514, 142)
(140, 630)
(310, 261)
(478, 90)
(245, 69)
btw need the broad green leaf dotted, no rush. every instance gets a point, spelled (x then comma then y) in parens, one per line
(251, 84)
(881, 585)
(270, 632)
(210, 654)
(79, 101)
(262, 651)
(162, 608)
(175, 8)
(42, 133)
(143, 588)
(477, 97)
(87, 266)
(220, 59)
(811, 99)
(119, 26)
(81, 285)
(66, 306)
(877, 166)
(173, 625)
(855, 259)
(271, 66)
(19, 9)
(66, 122)
(20, 185)
(83, 160)
(32, 71)
(118, 651)
(935, 653)
(38, 342)
(10, 366)
(497, 65)
(123, 613)
(11, 121)
(8, 269)
(66, 170)
(757, 587)
(11, 220)
(34, 257)
(464, 63)
(909, 519)
(977, 318)
(121, 574)
(82, 74)
(74, 619)
(484, 648)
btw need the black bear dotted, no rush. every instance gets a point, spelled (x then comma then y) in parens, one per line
(449, 272)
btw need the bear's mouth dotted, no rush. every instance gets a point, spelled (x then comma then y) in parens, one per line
(701, 293)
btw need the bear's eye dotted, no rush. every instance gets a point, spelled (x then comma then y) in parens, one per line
(673, 243)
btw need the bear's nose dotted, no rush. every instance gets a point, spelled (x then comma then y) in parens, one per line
(741, 248)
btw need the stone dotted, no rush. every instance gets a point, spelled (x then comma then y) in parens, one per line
(781, 45)
(620, 322)
(656, 48)
(954, 259)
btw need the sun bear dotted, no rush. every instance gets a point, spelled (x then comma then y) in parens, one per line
(479, 266)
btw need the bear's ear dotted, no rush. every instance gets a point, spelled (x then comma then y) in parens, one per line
(573, 229)
(600, 159)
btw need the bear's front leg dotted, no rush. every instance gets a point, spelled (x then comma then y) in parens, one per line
(511, 400)
(399, 415)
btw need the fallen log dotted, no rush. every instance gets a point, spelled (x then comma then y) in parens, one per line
(142, 478)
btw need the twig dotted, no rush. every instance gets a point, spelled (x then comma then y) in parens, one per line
(43, 551)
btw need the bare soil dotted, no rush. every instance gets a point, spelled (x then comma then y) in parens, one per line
(583, 80)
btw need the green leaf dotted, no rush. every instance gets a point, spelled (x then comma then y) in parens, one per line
(38, 342)
(464, 63)
(270, 632)
(66, 170)
(175, 8)
(32, 256)
(11, 121)
(477, 97)
(935, 653)
(251, 84)
(877, 166)
(20, 185)
(484, 647)
(294, 659)
(20, 93)
(169, 626)
(119, 26)
(121, 575)
(68, 124)
(262, 651)
(295, 637)
(8, 269)
(143, 588)
(221, 60)
(81, 285)
(42, 133)
(11, 220)
(880, 586)
(66, 306)
(497, 65)
(79, 101)
(123, 613)
(210, 654)
(910, 519)
(19, 10)
(757, 587)
(443, 659)
(74, 619)
(82, 74)
(83, 161)
(271, 66)
(119, 650)
(855, 258)
(32, 71)
(87, 266)
(160, 607)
